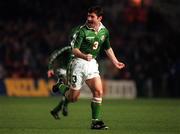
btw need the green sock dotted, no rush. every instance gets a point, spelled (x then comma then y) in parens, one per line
(66, 102)
(63, 88)
(58, 107)
(96, 109)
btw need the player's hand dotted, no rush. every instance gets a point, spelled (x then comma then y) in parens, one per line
(88, 57)
(119, 65)
(50, 73)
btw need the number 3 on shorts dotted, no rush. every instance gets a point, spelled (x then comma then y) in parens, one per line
(74, 79)
(95, 45)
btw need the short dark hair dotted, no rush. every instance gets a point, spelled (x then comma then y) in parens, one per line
(98, 10)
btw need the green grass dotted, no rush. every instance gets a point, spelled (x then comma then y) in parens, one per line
(141, 116)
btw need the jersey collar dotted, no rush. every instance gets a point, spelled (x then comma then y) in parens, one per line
(100, 27)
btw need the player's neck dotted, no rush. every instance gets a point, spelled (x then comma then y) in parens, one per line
(96, 27)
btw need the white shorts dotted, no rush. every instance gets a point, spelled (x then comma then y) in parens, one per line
(61, 73)
(81, 70)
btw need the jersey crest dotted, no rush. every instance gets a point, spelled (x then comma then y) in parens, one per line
(102, 38)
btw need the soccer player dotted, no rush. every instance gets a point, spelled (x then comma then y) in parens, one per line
(58, 62)
(86, 45)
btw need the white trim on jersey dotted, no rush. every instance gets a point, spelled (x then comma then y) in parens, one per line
(75, 37)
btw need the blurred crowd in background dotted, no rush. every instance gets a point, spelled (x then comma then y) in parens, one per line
(143, 33)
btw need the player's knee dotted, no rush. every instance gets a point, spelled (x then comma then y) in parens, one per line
(101, 93)
(73, 96)
(98, 93)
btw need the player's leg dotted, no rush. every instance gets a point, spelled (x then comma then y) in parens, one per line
(72, 95)
(65, 100)
(75, 80)
(95, 84)
(65, 107)
(63, 104)
(61, 75)
(61, 88)
(57, 109)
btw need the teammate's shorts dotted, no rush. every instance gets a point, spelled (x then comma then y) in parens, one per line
(81, 70)
(61, 73)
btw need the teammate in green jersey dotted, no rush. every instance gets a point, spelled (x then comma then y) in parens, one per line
(86, 45)
(58, 62)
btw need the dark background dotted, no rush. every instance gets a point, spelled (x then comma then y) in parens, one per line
(144, 34)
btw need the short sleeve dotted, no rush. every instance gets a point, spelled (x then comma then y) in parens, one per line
(77, 39)
(106, 44)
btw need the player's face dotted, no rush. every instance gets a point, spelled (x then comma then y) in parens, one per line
(93, 20)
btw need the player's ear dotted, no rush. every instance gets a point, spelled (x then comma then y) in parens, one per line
(100, 18)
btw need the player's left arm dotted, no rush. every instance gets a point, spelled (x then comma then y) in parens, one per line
(114, 60)
(110, 53)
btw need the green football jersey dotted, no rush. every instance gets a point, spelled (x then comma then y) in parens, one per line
(60, 58)
(88, 41)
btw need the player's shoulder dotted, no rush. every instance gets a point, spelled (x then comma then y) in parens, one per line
(81, 28)
(75, 30)
(104, 28)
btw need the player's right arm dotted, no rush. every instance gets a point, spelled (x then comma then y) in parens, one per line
(81, 55)
(76, 44)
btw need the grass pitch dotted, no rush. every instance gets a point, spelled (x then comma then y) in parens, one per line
(141, 116)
